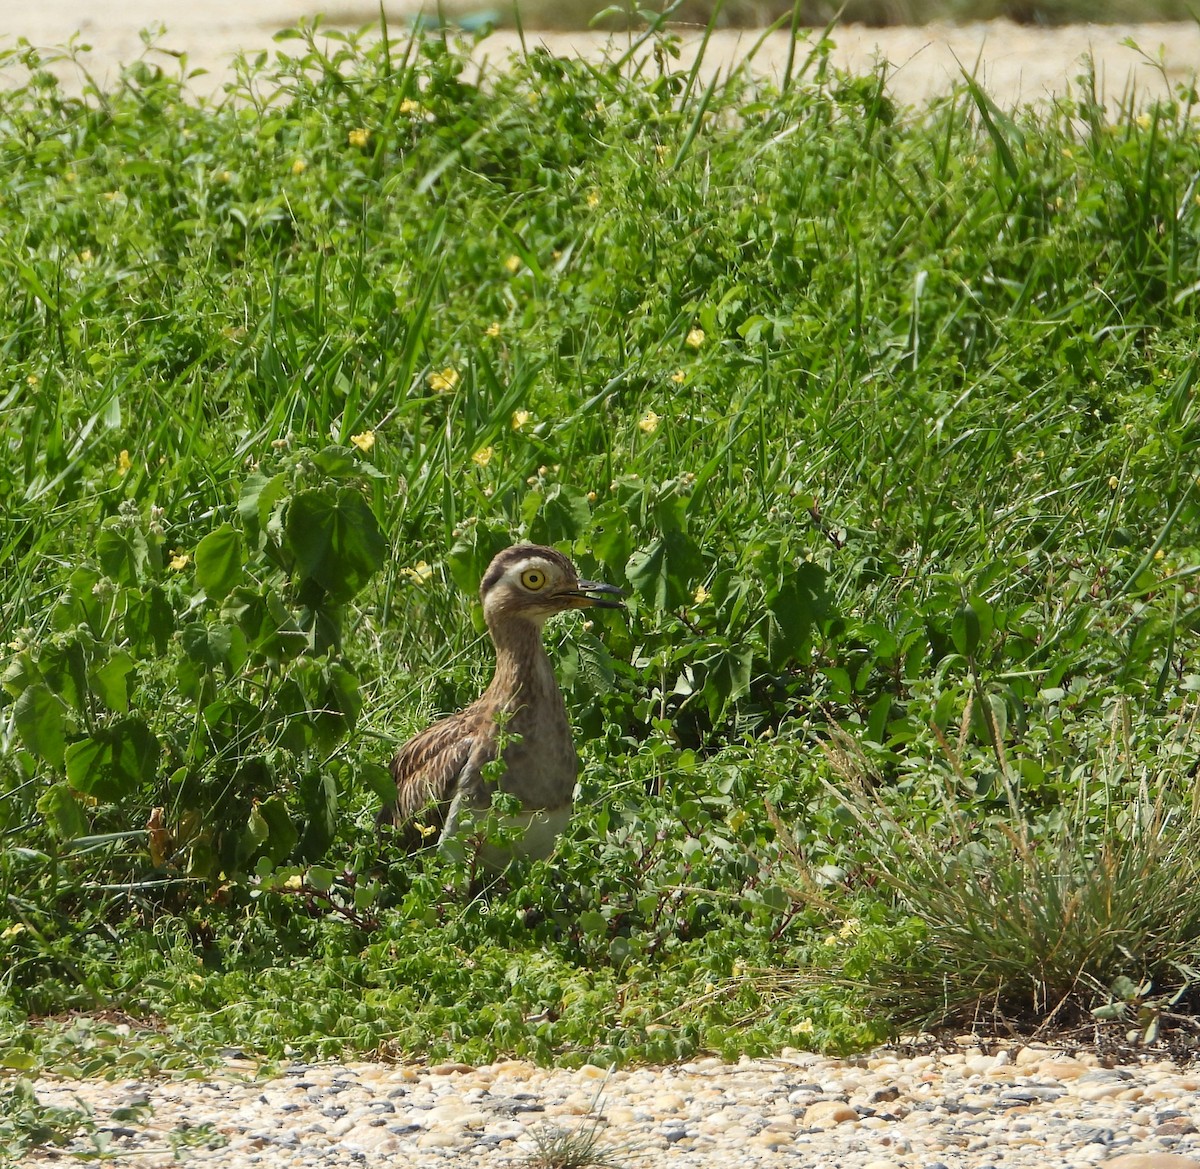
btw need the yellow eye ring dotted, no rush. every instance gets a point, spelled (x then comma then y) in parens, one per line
(533, 579)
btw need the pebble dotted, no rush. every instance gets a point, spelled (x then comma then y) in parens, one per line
(1020, 1107)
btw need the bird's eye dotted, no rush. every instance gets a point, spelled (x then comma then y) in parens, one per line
(533, 579)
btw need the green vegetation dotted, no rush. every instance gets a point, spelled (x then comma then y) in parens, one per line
(886, 418)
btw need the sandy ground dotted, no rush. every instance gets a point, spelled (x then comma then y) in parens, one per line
(1016, 64)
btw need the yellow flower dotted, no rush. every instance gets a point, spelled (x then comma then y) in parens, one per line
(180, 561)
(299, 166)
(513, 263)
(648, 423)
(32, 379)
(804, 1027)
(13, 931)
(1159, 555)
(359, 138)
(124, 462)
(679, 377)
(1143, 120)
(222, 176)
(364, 441)
(701, 595)
(86, 257)
(419, 573)
(850, 928)
(70, 176)
(483, 456)
(737, 819)
(408, 106)
(493, 330)
(695, 338)
(1114, 482)
(520, 419)
(443, 381)
(593, 200)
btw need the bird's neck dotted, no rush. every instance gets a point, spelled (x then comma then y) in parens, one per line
(523, 669)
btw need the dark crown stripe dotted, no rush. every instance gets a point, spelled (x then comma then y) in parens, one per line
(510, 556)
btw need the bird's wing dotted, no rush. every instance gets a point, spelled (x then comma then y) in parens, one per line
(426, 770)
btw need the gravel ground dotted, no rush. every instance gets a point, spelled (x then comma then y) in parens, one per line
(1016, 63)
(1004, 1107)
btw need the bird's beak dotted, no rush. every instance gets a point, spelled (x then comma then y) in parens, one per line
(581, 600)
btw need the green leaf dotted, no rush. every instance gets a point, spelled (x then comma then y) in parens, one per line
(564, 515)
(665, 572)
(318, 797)
(122, 552)
(257, 501)
(149, 620)
(38, 716)
(282, 835)
(114, 760)
(335, 540)
(208, 645)
(802, 603)
(319, 878)
(219, 561)
(110, 682)
(378, 779)
(62, 811)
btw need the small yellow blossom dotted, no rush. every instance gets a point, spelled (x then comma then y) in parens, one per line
(408, 106)
(695, 338)
(661, 151)
(124, 462)
(443, 381)
(294, 883)
(364, 441)
(593, 200)
(14, 931)
(736, 970)
(648, 423)
(1114, 482)
(419, 573)
(70, 176)
(86, 257)
(483, 456)
(513, 263)
(679, 377)
(737, 819)
(426, 830)
(520, 419)
(804, 1027)
(32, 379)
(180, 561)
(591, 497)
(299, 166)
(1159, 555)
(1143, 120)
(850, 928)
(493, 330)
(701, 595)
(222, 176)
(359, 138)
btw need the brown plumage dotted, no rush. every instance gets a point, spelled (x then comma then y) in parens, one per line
(440, 785)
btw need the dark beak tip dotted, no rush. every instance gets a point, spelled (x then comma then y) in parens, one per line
(606, 590)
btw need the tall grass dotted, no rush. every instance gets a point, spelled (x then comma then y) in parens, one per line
(886, 418)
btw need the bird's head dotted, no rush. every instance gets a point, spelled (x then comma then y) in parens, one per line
(530, 582)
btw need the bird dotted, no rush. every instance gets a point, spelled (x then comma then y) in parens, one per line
(443, 780)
